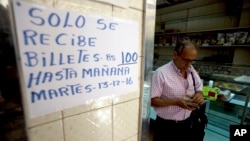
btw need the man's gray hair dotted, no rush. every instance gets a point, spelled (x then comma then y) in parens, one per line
(181, 45)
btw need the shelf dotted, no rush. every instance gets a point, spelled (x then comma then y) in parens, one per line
(238, 37)
(217, 130)
(239, 102)
(221, 120)
(225, 46)
(164, 46)
(212, 46)
(232, 95)
(225, 116)
(230, 86)
(201, 31)
(226, 78)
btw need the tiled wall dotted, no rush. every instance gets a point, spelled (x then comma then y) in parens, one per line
(112, 119)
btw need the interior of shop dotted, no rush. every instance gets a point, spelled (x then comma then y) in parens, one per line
(12, 126)
(220, 30)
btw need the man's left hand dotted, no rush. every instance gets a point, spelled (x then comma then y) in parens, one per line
(198, 98)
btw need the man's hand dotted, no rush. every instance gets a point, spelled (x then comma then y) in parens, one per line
(186, 104)
(198, 98)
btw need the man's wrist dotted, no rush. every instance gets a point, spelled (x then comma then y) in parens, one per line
(171, 102)
(199, 92)
(174, 102)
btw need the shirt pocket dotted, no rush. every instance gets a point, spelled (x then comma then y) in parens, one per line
(173, 90)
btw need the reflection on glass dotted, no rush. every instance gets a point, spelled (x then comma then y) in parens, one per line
(11, 113)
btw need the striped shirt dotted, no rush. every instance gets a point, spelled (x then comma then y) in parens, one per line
(168, 83)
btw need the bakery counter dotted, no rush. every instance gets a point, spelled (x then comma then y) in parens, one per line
(233, 94)
(238, 79)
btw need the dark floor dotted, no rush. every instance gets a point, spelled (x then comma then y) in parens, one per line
(211, 134)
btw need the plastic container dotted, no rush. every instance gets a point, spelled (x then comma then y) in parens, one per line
(210, 93)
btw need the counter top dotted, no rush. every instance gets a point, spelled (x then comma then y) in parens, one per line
(243, 79)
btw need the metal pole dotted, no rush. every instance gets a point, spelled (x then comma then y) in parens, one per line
(148, 44)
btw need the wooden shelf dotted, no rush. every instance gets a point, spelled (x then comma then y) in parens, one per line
(211, 46)
(203, 31)
(216, 36)
(233, 46)
(164, 46)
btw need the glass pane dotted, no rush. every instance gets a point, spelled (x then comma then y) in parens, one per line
(12, 126)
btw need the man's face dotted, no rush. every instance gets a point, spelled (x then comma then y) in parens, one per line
(186, 57)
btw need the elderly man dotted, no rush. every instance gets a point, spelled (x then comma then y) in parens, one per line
(176, 90)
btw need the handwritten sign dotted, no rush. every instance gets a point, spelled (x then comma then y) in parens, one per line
(69, 58)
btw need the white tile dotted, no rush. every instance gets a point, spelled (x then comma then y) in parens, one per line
(125, 120)
(133, 138)
(92, 126)
(126, 97)
(86, 6)
(47, 132)
(137, 4)
(44, 119)
(87, 107)
(128, 14)
(44, 2)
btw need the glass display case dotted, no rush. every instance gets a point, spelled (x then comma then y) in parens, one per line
(231, 106)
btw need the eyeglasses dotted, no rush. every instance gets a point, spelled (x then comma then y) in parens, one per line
(186, 60)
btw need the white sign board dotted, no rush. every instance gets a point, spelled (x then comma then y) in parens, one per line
(69, 58)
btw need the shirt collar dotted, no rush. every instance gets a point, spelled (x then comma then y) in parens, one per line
(178, 70)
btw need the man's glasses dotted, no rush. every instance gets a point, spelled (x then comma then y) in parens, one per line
(186, 60)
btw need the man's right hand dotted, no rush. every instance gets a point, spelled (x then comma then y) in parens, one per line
(186, 104)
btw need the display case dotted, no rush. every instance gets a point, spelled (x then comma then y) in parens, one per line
(232, 106)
